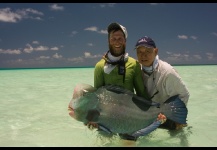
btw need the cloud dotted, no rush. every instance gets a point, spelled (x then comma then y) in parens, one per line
(153, 4)
(193, 37)
(214, 33)
(57, 56)
(9, 51)
(76, 60)
(184, 37)
(54, 48)
(6, 15)
(197, 56)
(107, 5)
(90, 44)
(210, 56)
(103, 31)
(35, 42)
(95, 29)
(30, 10)
(73, 33)
(41, 48)
(88, 55)
(56, 7)
(44, 57)
(28, 49)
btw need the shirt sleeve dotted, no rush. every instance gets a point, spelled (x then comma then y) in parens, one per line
(98, 76)
(175, 85)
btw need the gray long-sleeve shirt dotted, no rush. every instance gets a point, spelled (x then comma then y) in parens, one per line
(165, 82)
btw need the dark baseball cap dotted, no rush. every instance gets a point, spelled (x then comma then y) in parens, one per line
(146, 42)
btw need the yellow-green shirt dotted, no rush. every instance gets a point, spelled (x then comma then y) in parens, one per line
(133, 77)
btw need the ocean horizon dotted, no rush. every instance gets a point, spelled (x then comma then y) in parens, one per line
(94, 66)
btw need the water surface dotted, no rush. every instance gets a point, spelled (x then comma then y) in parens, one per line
(33, 110)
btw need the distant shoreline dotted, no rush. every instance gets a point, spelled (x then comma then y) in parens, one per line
(44, 68)
(93, 67)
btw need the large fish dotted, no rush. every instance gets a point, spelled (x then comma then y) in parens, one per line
(117, 110)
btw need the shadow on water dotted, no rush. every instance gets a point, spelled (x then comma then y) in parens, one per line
(182, 135)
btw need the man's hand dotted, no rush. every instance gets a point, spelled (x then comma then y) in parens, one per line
(162, 118)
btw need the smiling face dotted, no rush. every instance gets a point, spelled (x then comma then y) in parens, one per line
(146, 55)
(117, 43)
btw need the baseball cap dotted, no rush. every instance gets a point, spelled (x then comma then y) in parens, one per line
(116, 25)
(145, 41)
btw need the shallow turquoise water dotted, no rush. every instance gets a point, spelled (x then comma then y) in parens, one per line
(33, 110)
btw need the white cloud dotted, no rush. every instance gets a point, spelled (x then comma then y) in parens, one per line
(93, 28)
(90, 44)
(44, 57)
(56, 7)
(10, 51)
(107, 5)
(6, 15)
(28, 49)
(76, 60)
(57, 56)
(183, 37)
(193, 37)
(41, 48)
(210, 56)
(35, 42)
(54, 48)
(88, 55)
(73, 33)
(33, 11)
(197, 56)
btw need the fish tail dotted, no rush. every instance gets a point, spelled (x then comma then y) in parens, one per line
(175, 110)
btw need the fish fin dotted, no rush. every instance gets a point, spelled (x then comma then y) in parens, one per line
(144, 104)
(92, 115)
(147, 129)
(177, 110)
(118, 89)
(103, 128)
(104, 131)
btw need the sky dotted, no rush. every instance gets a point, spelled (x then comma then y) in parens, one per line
(41, 35)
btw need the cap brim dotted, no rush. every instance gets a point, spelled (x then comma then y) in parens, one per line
(144, 45)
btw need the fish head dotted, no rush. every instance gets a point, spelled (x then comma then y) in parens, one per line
(84, 103)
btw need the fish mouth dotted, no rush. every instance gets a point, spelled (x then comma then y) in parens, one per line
(71, 111)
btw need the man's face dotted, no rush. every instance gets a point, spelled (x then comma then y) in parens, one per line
(146, 55)
(117, 43)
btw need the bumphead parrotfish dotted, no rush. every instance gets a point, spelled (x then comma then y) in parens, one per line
(117, 110)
